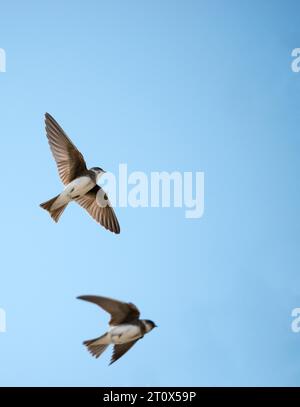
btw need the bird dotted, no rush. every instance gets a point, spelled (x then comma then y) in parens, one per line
(80, 182)
(126, 327)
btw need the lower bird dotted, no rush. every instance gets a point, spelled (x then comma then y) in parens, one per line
(126, 327)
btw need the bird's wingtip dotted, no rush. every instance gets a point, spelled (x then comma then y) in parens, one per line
(48, 116)
(116, 230)
(83, 297)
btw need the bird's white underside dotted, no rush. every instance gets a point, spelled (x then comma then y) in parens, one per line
(120, 334)
(78, 187)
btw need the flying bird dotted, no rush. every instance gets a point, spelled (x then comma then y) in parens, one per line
(126, 327)
(80, 183)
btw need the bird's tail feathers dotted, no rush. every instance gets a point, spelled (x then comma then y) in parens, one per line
(55, 213)
(97, 346)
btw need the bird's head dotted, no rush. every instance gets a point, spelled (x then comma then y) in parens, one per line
(98, 172)
(149, 325)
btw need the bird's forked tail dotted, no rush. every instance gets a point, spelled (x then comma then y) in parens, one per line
(55, 213)
(97, 346)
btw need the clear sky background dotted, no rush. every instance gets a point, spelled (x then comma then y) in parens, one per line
(162, 86)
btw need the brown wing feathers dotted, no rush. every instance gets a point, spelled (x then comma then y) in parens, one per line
(69, 160)
(120, 350)
(103, 215)
(121, 312)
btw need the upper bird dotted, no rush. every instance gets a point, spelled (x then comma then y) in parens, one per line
(80, 183)
(125, 327)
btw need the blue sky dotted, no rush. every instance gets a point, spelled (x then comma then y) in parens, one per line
(162, 86)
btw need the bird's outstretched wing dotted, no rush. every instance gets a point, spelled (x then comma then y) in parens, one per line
(120, 350)
(104, 215)
(69, 160)
(121, 312)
